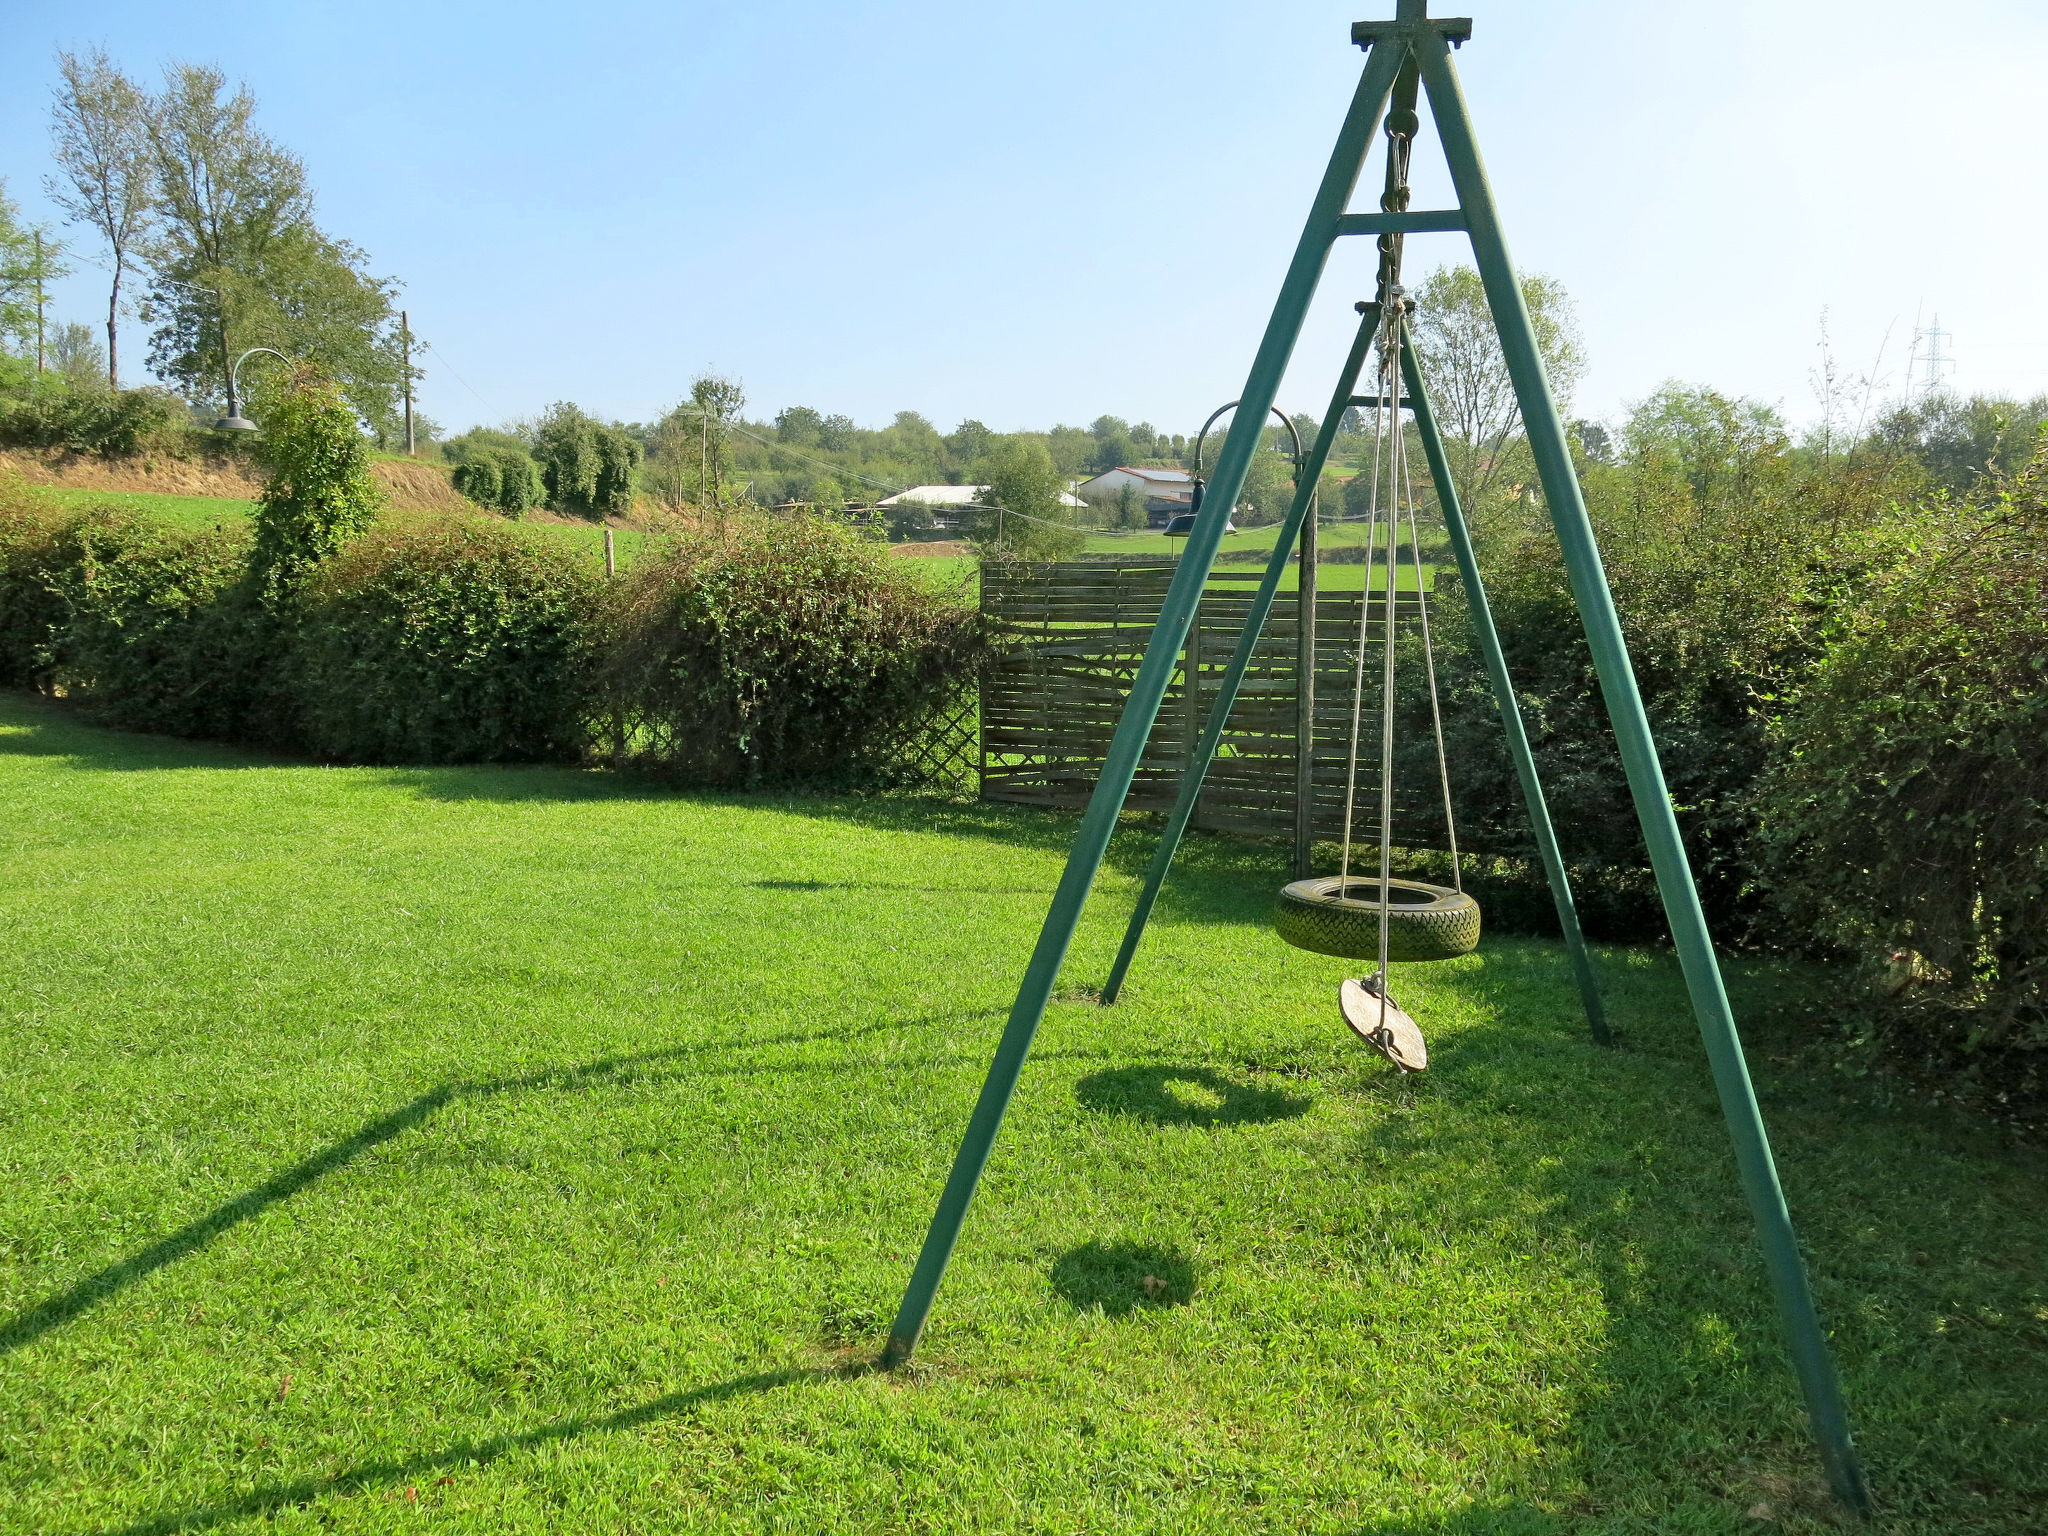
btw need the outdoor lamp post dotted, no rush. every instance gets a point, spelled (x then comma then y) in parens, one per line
(235, 421)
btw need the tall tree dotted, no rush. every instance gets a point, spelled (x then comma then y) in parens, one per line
(226, 194)
(1022, 511)
(717, 402)
(1468, 376)
(100, 125)
(29, 259)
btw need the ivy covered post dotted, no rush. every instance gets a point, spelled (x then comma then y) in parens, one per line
(320, 493)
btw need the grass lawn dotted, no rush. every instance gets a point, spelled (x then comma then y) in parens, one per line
(520, 1150)
(185, 511)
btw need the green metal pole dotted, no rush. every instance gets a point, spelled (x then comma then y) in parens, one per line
(1240, 660)
(1147, 689)
(1689, 934)
(1503, 691)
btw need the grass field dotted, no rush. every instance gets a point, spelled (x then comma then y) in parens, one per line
(523, 1150)
(204, 511)
(185, 511)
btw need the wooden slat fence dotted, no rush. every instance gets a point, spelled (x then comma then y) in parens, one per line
(1049, 709)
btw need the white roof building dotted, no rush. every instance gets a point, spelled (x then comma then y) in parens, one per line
(955, 496)
(1176, 484)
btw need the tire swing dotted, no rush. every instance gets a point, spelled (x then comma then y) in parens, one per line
(1384, 919)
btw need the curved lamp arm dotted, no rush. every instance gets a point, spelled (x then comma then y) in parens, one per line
(1285, 421)
(235, 421)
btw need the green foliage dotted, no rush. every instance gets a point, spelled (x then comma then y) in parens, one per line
(504, 479)
(85, 419)
(1907, 809)
(30, 612)
(158, 628)
(444, 640)
(29, 261)
(1964, 441)
(1468, 378)
(320, 493)
(1021, 511)
(1724, 551)
(781, 649)
(586, 467)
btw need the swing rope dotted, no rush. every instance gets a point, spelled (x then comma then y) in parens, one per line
(1391, 468)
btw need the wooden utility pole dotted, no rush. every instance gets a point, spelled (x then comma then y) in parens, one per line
(39, 301)
(405, 338)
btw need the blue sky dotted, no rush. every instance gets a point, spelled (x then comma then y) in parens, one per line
(1042, 212)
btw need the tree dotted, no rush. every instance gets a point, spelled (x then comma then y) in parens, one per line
(29, 260)
(237, 260)
(1021, 510)
(718, 402)
(586, 466)
(320, 493)
(100, 125)
(1468, 377)
(969, 441)
(1113, 445)
(799, 425)
(75, 353)
(225, 195)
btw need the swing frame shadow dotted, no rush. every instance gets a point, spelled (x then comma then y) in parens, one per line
(1413, 50)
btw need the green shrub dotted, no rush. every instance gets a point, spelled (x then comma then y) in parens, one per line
(1726, 552)
(585, 466)
(1907, 811)
(30, 611)
(782, 649)
(451, 640)
(160, 630)
(111, 423)
(503, 479)
(479, 478)
(320, 493)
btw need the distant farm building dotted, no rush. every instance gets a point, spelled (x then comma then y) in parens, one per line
(946, 501)
(1164, 493)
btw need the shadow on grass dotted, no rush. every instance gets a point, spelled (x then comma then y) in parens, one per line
(463, 1454)
(66, 1306)
(1117, 1279)
(31, 725)
(1177, 1095)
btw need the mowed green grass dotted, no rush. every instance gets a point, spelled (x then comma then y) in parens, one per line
(184, 511)
(522, 1150)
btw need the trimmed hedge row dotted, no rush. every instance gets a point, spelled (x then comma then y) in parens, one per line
(774, 651)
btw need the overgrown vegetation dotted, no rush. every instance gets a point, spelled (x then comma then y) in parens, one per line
(1906, 809)
(778, 649)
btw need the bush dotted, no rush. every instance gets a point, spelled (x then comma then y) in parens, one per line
(451, 640)
(30, 612)
(503, 479)
(1907, 811)
(1726, 552)
(111, 423)
(320, 493)
(159, 630)
(586, 467)
(782, 649)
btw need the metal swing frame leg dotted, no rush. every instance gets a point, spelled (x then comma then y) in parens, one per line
(1390, 45)
(1504, 693)
(1311, 253)
(1690, 937)
(1197, 768)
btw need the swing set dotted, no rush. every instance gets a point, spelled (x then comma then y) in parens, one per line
(1378, 917)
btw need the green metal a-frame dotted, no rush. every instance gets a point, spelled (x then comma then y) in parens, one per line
(1404, 57)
